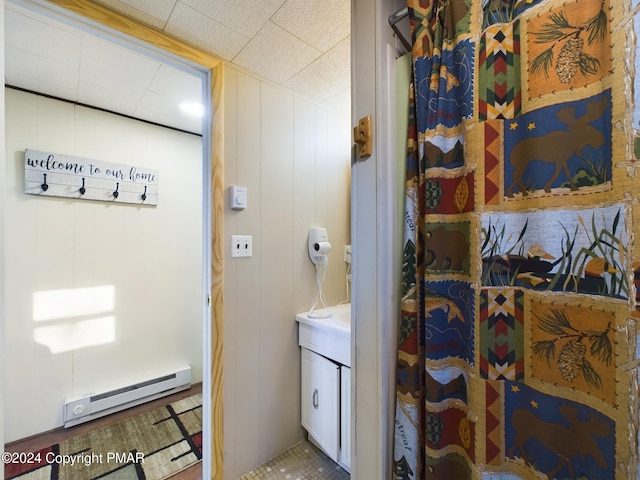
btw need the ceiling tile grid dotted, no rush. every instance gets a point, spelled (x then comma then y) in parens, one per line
(151, 12)
(324, 78)
(244, 16)
(56, 43)
(320, 23)
(197, 29)
(49, 57)
(303, 45)
(284, 41)
(61, 80)
(117, 56)
(276, 54)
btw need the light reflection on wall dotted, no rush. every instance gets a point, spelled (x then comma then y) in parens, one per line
(69, 310)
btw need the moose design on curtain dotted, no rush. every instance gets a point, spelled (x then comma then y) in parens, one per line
(517, 333)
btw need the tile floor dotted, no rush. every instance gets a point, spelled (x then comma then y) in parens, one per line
(303, 461)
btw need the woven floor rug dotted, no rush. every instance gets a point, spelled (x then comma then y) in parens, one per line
(149, 446)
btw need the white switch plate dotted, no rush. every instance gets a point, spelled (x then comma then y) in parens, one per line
(241, 246)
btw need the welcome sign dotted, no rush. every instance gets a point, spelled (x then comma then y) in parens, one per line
(73, 177)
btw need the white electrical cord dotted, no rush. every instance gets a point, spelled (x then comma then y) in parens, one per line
(320, 293)
(347, 280)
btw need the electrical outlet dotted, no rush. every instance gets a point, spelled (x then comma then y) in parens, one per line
(241, 246)
(347, 253)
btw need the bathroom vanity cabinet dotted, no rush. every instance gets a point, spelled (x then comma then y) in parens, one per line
(326, 405)
(326, 386)
(321, 401)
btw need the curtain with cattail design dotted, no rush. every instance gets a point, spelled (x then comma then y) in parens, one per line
(516, 355)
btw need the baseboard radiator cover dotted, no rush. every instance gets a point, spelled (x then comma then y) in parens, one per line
(83, 408)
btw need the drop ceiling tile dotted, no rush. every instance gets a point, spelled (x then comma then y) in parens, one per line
(177, 85)
(152, 12)
(156, 102)
(26, 69)
(197, 29)
(118, 56)
(38, 85)
(243, 16)
(326, 76)
(113, 101)
(296, 36)
(164, 110)
(47, 40)
(275, 54)
(113, 79)
(320, 23)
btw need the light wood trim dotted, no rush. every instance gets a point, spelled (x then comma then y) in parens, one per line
(133, 28)
(174, 46)
(217, 272)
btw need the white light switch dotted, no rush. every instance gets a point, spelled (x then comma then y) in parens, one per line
(241, 246)
(238, 197)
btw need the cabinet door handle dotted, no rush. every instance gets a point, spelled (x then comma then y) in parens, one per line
(315, 398)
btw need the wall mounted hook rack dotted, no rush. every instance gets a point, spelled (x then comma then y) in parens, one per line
(56, 175)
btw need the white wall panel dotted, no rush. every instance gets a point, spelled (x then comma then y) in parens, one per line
(305, 155)
(247, 300)
(277, 329)
(39, 246)
(277, 148)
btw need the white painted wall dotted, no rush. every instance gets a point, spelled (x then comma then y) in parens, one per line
(294, 158)
(150, 258)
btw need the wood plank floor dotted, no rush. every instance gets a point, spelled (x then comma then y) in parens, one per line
(43, 440)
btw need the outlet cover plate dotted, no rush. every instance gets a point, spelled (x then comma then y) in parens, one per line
(241, 246)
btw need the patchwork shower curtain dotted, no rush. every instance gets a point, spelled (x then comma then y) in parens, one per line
(517, 354)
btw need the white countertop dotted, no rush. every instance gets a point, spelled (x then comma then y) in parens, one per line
(331, 319)
(326, 331)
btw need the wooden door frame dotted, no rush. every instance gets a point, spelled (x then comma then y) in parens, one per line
(213, 353)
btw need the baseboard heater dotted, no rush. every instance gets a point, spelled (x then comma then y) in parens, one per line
(80, 409)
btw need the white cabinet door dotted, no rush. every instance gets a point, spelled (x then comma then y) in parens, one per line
(321, 402)
(345, 418)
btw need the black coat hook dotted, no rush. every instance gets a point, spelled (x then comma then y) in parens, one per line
(144, 195)
(115, 193)
(44, 185)
(82, 189)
